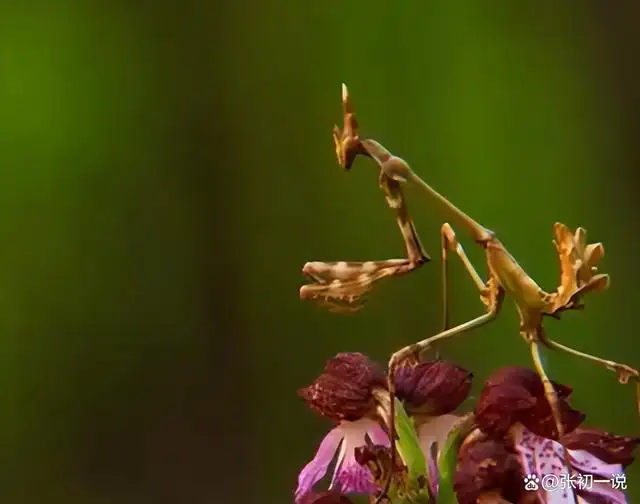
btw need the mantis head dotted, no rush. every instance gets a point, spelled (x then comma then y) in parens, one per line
(348, 145)
(347, 140)
(578, 270)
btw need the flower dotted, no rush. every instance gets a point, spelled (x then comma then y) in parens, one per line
(516, 437)
(514, 394)
(348, 392)
(431, 391)
(490, 467)
(349, 476)
(351, 391)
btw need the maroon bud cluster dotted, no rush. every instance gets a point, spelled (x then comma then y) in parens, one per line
(435, 388)
(344, 391)
(484, 467)
(513, 395)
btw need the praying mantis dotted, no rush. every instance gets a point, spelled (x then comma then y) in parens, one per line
(341, 285)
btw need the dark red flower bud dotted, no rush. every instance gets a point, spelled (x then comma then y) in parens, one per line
(486, 466)
(436, 387)
(514, 395)
(609, 448)
(344, 391)
(330, 497)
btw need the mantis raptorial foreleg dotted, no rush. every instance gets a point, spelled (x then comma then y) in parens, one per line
(340, 285)
(623, 372)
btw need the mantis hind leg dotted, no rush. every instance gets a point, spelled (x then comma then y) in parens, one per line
(549, 390)
(423, 345)
(418, 348)
(491, 295)
(450, 242)
(623, 372)
(552, 398)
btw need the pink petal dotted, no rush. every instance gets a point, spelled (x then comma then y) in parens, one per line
(353, 478)
(378, 436)
(544, 458)
(434, 475)
(349, 475)
(315, 470)
(435, 430)
(587, 463)
(613, 495)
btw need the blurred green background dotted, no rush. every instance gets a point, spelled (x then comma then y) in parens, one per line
(167, 168)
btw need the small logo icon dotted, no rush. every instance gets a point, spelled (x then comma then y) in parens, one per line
(531, 482)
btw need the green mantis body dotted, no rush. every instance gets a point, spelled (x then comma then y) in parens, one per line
(341, 285)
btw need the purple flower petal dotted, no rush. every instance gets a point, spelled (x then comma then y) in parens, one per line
(315, 470)
(545, 459)
(590, 464)
(348, 474)
(435, 430)
(587, 463)
(434, 475)
(606, 491)
(379, 436)
(353, 478)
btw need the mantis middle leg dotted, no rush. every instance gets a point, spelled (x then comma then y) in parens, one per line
(449, 241)
(491, 295)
